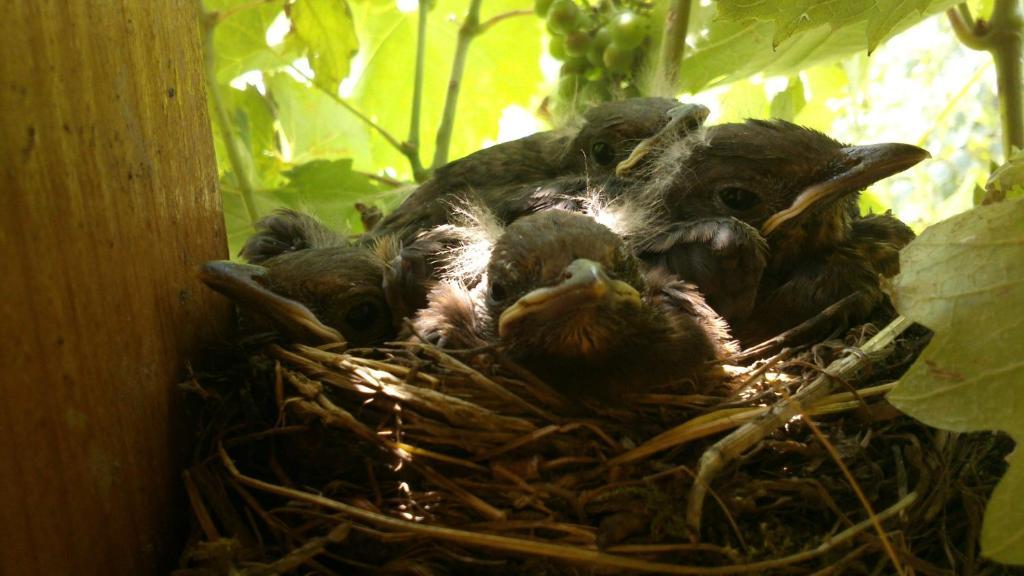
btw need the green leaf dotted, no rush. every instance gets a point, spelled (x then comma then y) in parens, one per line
(315, 126)
(240, 41)
(822, 83)
(236, 218)
(870, 203)
(886, 15)
(332, 177)
(963, 278)
(1006, 181)
(328, 189)
(327, 28)
(501, 70)
(743, 99)
(254, 126)
(788, 103)
(791, 17)
(781, 37)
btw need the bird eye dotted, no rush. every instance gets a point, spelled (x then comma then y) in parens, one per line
(362, 315)
(498, 291)
(603, 153)
(738, 199)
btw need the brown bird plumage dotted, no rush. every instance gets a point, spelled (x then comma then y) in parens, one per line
(762, 216)
(564, 296)
(303, 262)
(493, 177)
(307, 282)
(795, 187)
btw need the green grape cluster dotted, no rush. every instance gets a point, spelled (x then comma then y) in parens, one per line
(600, 46)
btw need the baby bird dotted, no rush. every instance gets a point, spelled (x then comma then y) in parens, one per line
(307, 282)
(563, 296)
(762, 216)
(794, 191)
(495, 177)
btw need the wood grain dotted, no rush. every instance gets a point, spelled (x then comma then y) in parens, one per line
(108, 204)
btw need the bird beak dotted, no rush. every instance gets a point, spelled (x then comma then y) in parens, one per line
(863, 166)
(240, 282)
(683, 119)
(585, 284)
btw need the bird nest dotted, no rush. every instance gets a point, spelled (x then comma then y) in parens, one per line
(410, 459)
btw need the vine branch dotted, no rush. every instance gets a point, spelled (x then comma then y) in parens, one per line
(1001, 36)
(470, 29)
(413, 143)
(490, 22)
(241, 162)
(673, 43)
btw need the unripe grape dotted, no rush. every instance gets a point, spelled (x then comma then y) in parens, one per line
(628, 29)
(556, 46)
(574, 66)
(598, 43)
(618, 59)
(576, 43)
(563, 16)
(541, 7)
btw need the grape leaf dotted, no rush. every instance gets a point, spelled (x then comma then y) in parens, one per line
(788, 103)
(823, 84)
(1006, 181)
(794, 16)
(236, 218)
(253, 123)
(886, 15)
(781, 37)
(315, 126)
(963, 279)
(790, 17)
(329, 189)
(743, 100)
(870, 203)
(327, 28)
(240, 41)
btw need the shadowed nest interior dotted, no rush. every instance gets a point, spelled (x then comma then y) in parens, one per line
(407, 459)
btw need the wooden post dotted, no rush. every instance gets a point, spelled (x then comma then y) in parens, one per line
(108, 203)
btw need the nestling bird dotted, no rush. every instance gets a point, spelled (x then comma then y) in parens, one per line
(797, 189)
(286, 230)
(311, 285)
(293, 287)
(609, 133)
(753, 213)
(564, 296)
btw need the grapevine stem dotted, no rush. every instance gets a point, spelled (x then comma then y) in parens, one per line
(1001, 36)
(487, 24)
(673, 43)
(470, 28)
(241, 161)
(413, 142)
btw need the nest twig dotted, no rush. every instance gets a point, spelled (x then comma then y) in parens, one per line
(410, 459)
